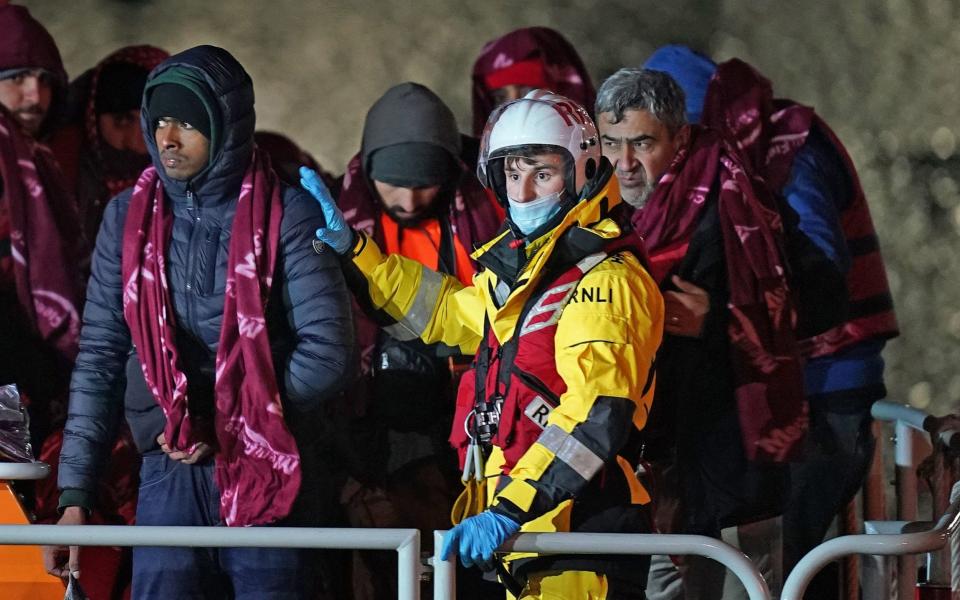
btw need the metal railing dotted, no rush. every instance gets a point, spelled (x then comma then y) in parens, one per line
(912, 444)
(915, 418)
(24, 471)
(405, 541)
(444, 572)
(879, 544)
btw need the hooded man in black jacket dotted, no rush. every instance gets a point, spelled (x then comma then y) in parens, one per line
(198, 121)
(408, 189)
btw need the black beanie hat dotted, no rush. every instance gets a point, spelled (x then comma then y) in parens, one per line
(178, 102)
(412, 165)
(120, 88)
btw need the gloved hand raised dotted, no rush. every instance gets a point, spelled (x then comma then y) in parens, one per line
(476, 538)
(337, 234)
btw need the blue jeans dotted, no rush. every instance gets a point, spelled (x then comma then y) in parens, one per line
(172, 493)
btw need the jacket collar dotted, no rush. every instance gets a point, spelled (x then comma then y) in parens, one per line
(585, 230)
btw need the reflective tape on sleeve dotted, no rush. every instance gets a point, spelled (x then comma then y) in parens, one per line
(571, 451)
(416, 319)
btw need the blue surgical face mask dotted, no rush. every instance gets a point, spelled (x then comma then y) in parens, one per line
(528, 216)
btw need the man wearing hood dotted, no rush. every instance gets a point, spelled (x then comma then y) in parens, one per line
(802, 160)
(564, 321)
(40, 288)
(525, 59)
(100, 147)
(408, 190)
(32, 80)
(89, 149)
(240, 329)
(515, 63)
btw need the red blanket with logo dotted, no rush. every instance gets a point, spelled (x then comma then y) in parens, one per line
(257, 461)
(764, 353)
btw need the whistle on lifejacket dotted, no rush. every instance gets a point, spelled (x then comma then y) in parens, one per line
(479, 466)
(468, 463)
(473, 463)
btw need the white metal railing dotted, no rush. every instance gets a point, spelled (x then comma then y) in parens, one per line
(880, 544)
(24, 471)
(879, 573)
(444, 572)
(883, 410)
(405, 541)
(911, 445)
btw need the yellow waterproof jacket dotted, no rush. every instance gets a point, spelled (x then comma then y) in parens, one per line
(604, 351)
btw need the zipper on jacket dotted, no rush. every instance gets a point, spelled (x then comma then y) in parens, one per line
(210, 253)
(192, 257)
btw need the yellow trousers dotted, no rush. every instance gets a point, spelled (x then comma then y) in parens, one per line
(564, 585)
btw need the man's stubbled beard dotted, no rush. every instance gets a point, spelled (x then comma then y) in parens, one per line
(438, 207)
(640, 200)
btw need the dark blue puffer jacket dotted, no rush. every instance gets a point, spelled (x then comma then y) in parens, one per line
(308, 315)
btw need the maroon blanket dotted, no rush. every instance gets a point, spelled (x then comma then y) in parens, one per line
(767, 368)
(257, 463)
(146, 57)
(534, 56)
(740, 103)
(44, 238)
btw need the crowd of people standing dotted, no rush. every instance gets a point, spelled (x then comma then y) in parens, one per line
(659, 305)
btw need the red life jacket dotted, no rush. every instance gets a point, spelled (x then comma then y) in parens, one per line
(520, 376)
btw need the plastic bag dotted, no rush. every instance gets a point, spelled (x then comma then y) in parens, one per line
(74, 591)
(14, 427)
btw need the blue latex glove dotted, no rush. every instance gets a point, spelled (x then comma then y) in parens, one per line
(337, 234)
(476, 538)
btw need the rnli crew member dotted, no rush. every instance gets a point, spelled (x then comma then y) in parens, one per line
(564, 321)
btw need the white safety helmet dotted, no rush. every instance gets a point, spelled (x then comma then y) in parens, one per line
(541, 118)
